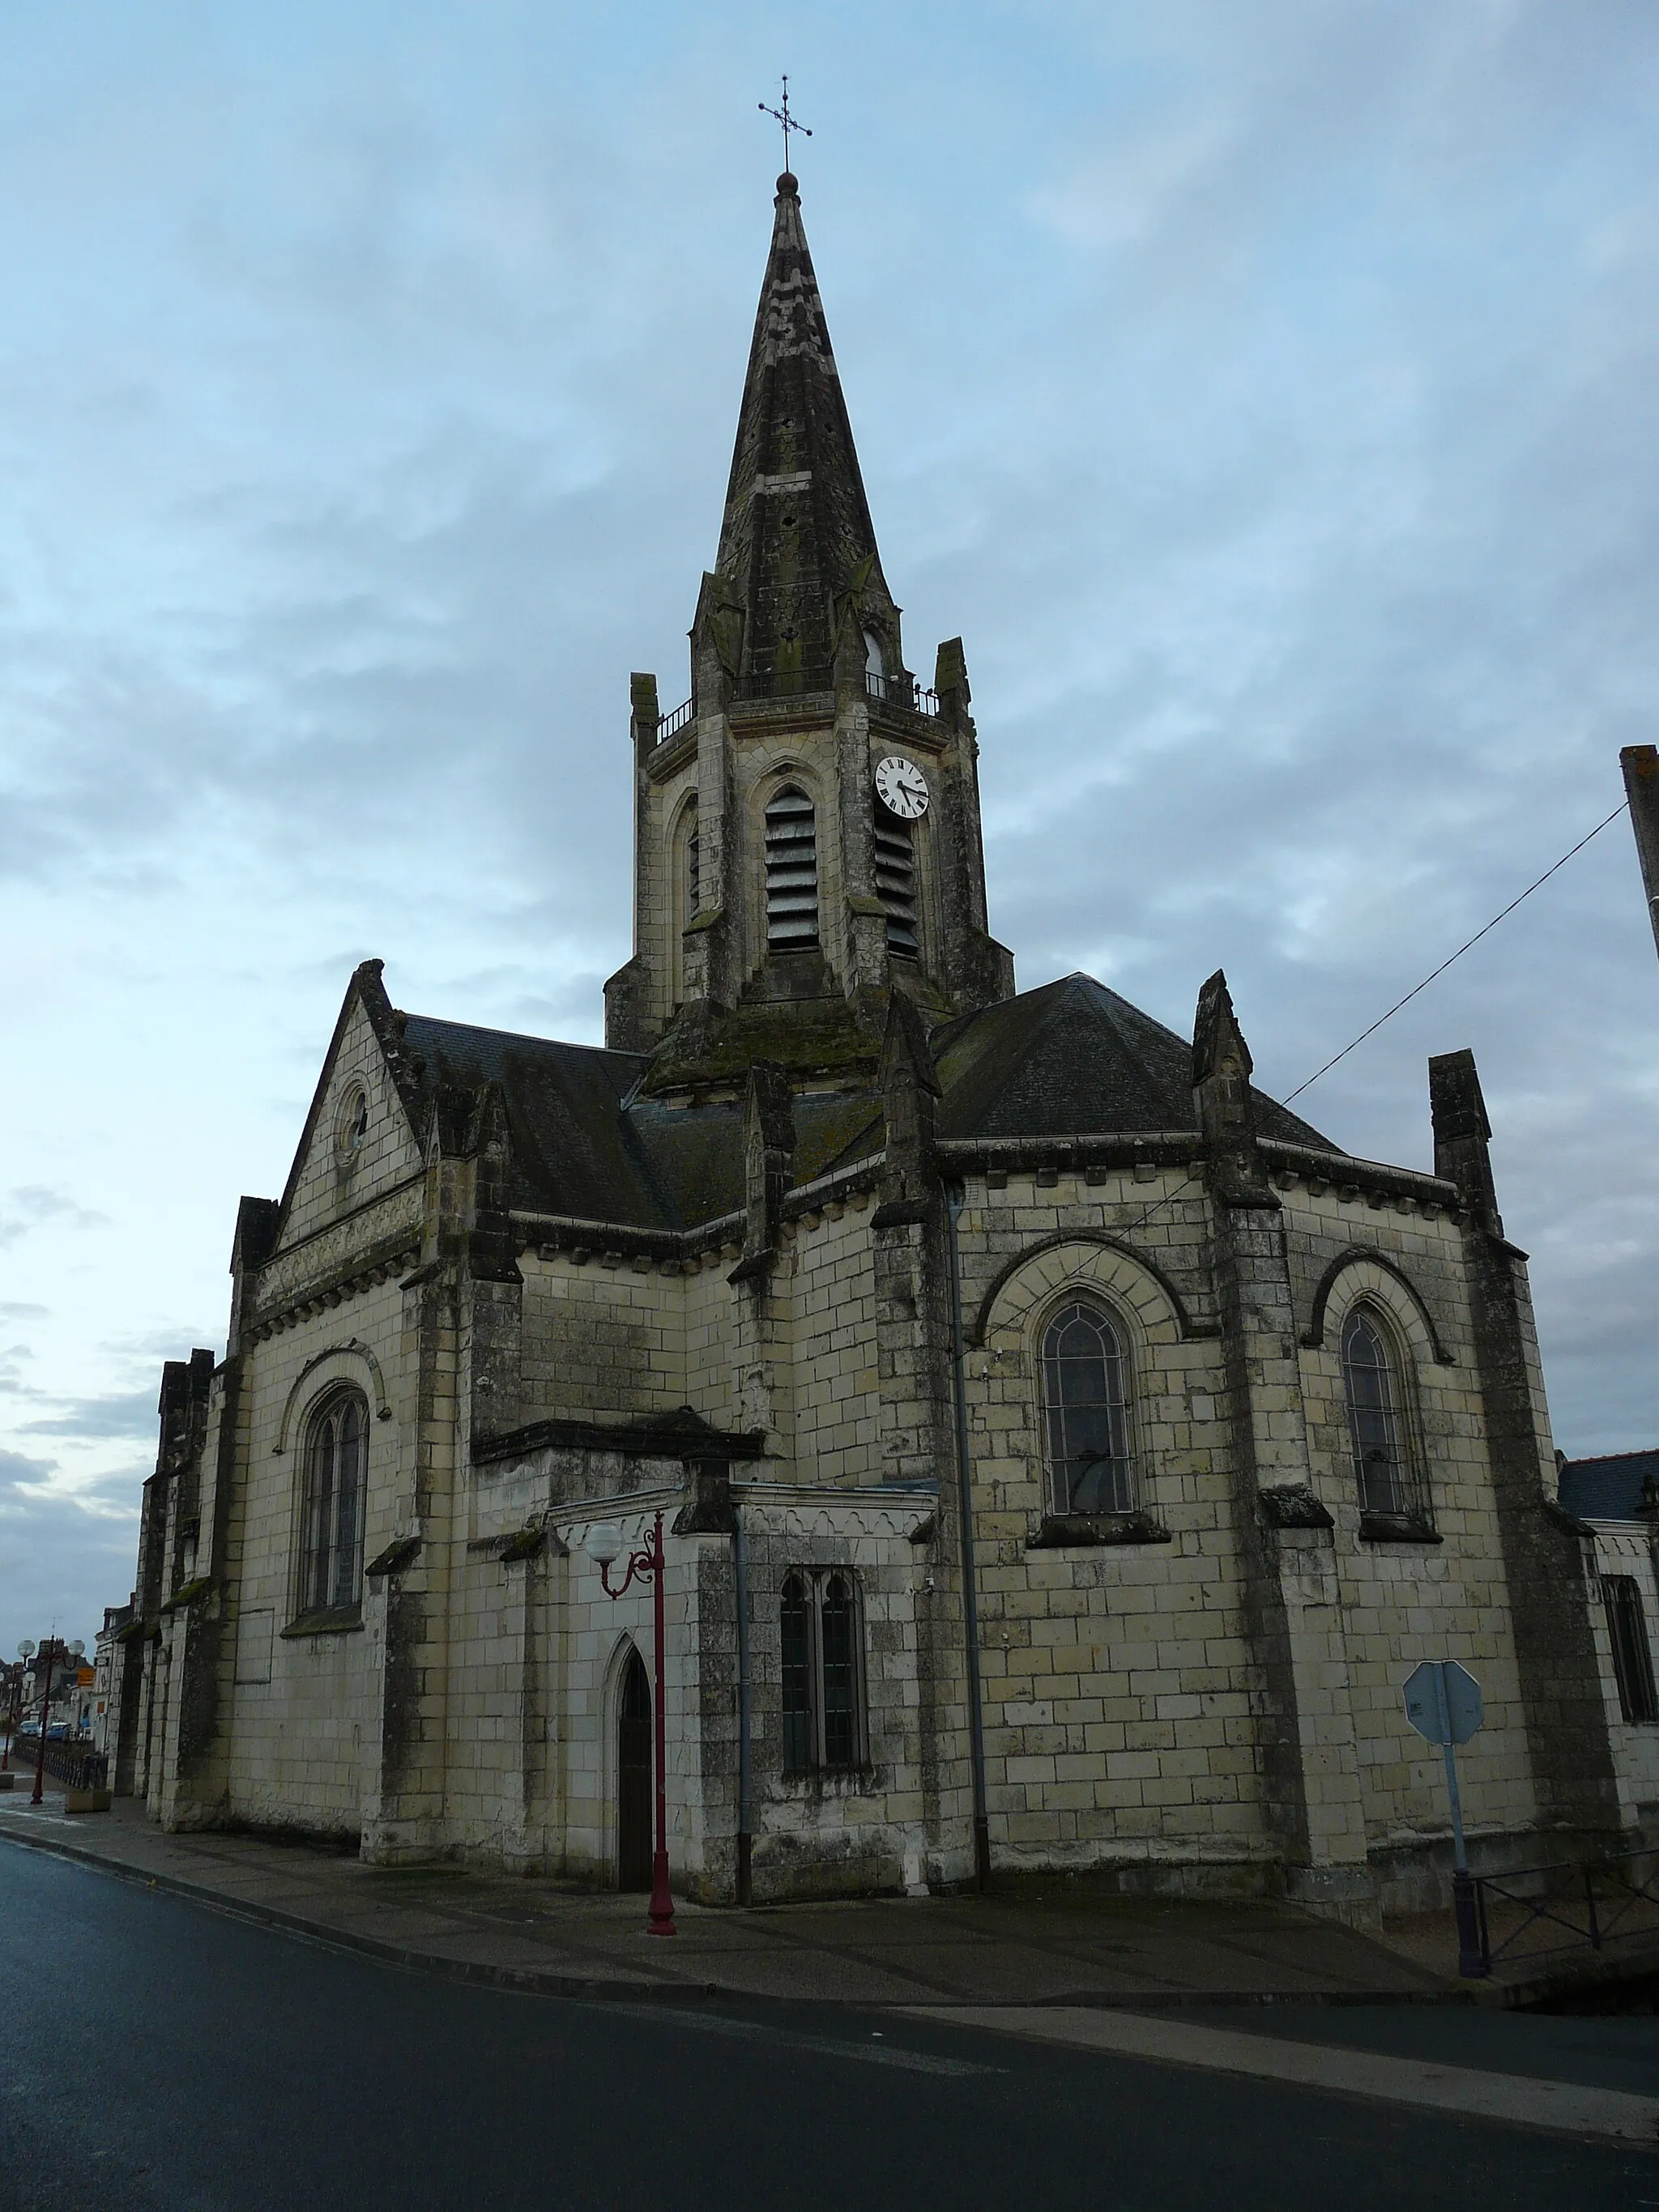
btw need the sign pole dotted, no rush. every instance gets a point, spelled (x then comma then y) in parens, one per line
(1444, 1704)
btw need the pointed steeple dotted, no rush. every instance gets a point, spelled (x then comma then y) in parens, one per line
(798, 550)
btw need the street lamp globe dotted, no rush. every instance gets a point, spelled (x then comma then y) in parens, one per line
(77, 1649)
(603, 1542)
(26, 1649)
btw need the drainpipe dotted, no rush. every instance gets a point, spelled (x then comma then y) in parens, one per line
(745, 1833)
(955, 1198)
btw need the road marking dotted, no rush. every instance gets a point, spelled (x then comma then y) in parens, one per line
(829, 2046)
(1560, 2107)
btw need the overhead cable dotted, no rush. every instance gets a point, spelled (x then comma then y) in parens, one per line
(1458, 955)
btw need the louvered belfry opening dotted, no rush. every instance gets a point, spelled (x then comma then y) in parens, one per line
(792, 873)
(693, 873)
(896, 882)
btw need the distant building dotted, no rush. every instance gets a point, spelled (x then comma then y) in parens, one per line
(1616, 1498)
(835, 1223)
(107, 1653)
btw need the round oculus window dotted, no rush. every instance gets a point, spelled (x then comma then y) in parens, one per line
(352, 1129)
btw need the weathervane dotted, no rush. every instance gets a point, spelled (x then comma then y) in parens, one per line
(783, 115)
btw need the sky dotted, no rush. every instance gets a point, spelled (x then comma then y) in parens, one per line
(1264, 394)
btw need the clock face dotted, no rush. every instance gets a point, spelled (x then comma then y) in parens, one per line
(901, 788)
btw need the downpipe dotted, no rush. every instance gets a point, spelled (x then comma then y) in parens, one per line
(745, 1771)
(956, 1197)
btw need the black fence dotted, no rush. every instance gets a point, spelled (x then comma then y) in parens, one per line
(1531, 1912)
(76, 1766)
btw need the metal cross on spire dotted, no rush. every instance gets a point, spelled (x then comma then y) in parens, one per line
(783, 115)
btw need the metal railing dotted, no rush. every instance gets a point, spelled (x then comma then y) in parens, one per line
(669, 725)
(1592, 1902)
(901, 691)
(76, 1766)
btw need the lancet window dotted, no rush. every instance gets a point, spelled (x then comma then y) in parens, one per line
(823, 1671)
(1632, 1659)
(336, 1483)
(1085, 1389)
(1377, 1428)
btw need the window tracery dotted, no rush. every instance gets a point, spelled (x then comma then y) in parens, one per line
(1086, 1391)
(1378, 1430)
(336, 1485)
(823, 1656)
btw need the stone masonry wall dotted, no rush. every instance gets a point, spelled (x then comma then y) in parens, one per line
(1120, 1684)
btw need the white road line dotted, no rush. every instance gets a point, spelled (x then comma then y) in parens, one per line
(1518, 2100)
(829, 2046)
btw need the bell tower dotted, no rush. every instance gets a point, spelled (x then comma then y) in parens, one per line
(806, 826)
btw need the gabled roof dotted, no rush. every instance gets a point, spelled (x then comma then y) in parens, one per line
(582, 1148)
(571, 1147)
(1608, 1489)
(1072, 1059)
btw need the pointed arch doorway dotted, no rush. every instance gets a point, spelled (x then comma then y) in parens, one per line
(634, 1776)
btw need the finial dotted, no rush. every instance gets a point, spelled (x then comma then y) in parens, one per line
(785, 182)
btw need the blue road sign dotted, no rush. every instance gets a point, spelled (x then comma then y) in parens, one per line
(1443, 1702)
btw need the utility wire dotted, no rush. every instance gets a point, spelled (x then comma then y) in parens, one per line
(1458, 955)
(1169, 1197)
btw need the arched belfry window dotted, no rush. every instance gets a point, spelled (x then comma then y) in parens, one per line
(896, 881)
(693, 867)
(1085, 1391)
(336, 1484)
(1377, 1415)
(792, 872)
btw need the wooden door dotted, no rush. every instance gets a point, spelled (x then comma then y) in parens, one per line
(633, 1779)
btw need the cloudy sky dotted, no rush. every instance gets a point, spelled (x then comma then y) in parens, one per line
(1266, 392)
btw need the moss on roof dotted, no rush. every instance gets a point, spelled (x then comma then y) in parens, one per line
(1072, 1059)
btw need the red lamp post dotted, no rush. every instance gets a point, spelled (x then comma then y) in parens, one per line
(52, 1651)
(604, 1544)
(48, 1661)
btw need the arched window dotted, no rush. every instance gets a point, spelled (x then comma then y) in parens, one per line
(1085, 1391)
(823, 1668)
(1377, 1425)
(693, 868)
(336, 1479)
(792, 872)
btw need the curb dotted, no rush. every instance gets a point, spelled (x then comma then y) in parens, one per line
(544, 1981)
(529, 1980)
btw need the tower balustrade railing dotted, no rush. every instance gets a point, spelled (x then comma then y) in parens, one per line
(671, 725)
(901, 691)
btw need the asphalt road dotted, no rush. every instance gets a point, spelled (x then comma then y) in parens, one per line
(155, 2055)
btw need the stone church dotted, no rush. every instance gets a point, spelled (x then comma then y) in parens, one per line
(1065, 1451)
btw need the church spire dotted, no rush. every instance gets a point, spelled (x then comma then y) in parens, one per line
(798, 550)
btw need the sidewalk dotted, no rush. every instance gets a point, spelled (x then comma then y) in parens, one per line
(1031, 1943)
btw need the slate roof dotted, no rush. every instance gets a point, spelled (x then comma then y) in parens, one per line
(1608, 1489)
(1072, 1059)
(582, 1147)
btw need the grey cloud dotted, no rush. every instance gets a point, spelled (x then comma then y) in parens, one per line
(31, 1204)
(1264, 395)
(64, 1556)
(123, 1413)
